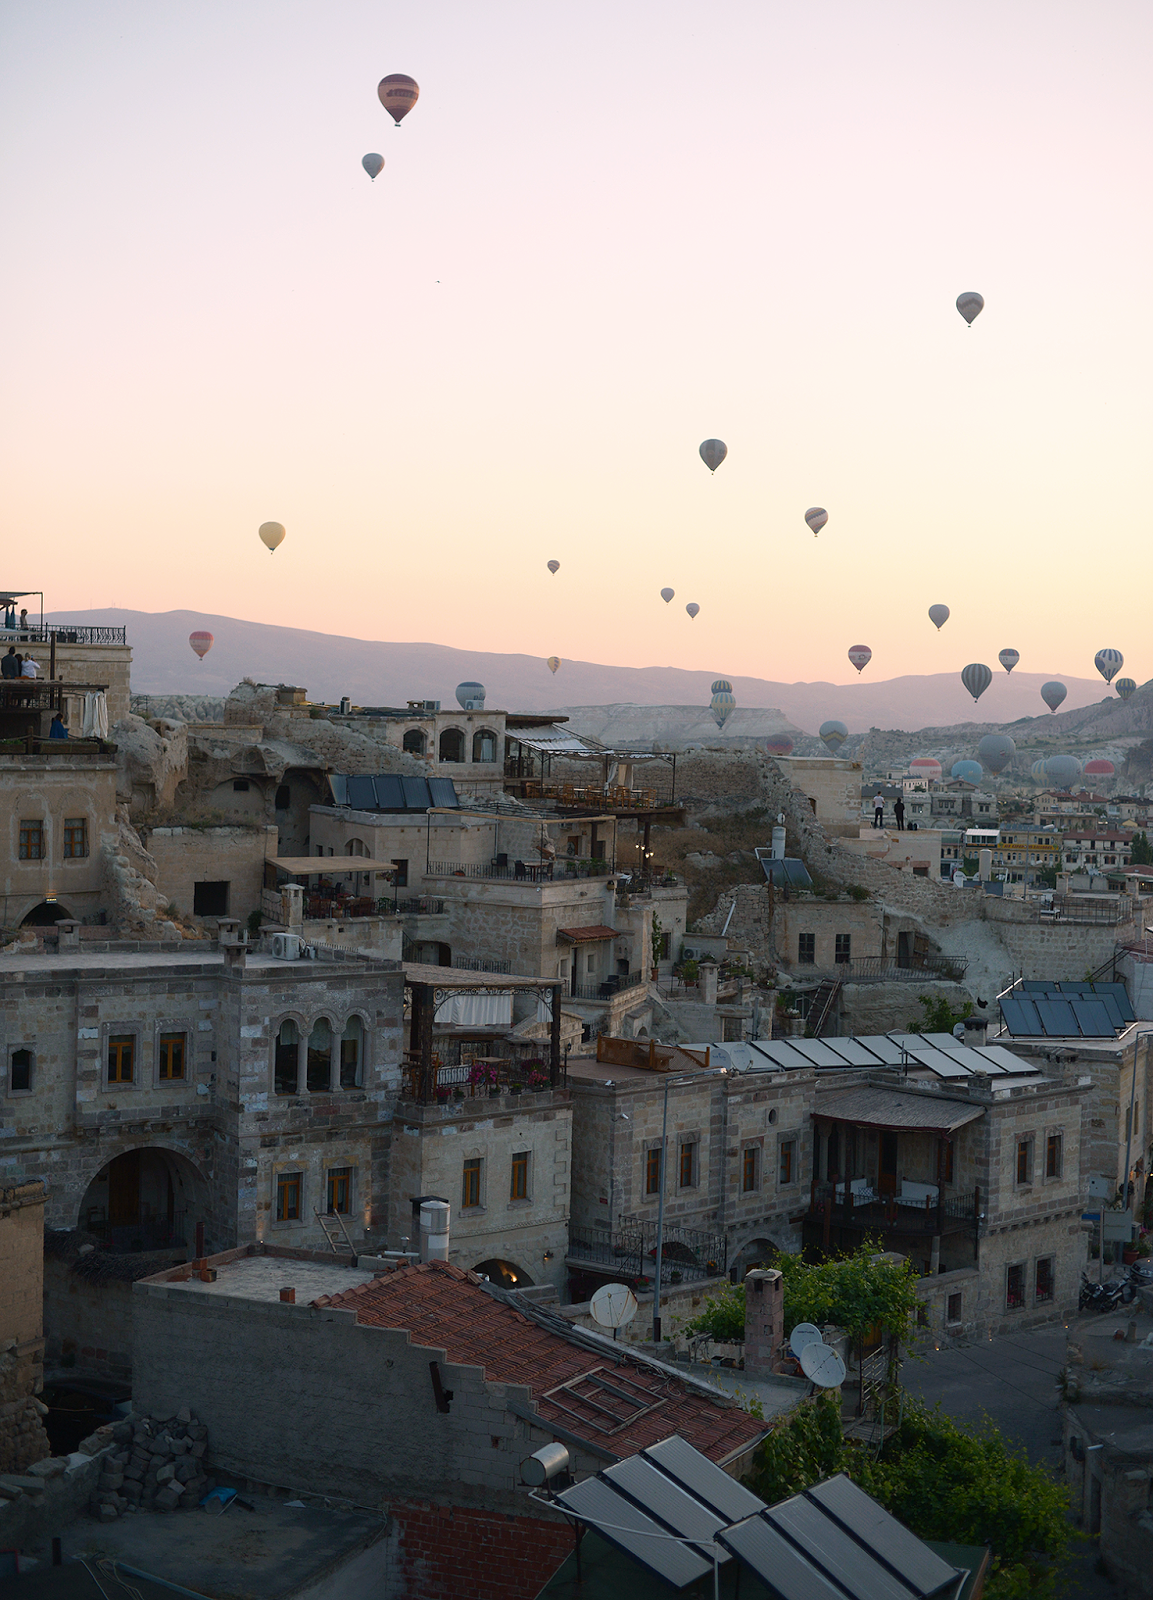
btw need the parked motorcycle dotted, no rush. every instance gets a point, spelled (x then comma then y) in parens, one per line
(1108, 1296)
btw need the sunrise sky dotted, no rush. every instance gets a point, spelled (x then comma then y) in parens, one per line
(607, 232)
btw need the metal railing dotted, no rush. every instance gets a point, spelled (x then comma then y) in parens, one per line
(615, 983)
(888, 1214)
(418, 906)
(65, 632)
(461, 1080)
(520, 871)
(631, 1251)
(878, 969)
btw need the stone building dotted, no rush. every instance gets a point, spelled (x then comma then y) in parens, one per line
(22, 1437)
(212, 872)
(57, 807)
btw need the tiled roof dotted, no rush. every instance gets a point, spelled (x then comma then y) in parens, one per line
(443, 1307)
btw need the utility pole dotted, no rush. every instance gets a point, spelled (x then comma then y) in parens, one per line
(661, 1219)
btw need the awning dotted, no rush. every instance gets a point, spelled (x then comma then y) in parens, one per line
(896, 1112)
(558, 742)
(589, 935)
(329, 866)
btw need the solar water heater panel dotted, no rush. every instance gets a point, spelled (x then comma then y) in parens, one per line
(710, 1483)
(624, 1525)
(667, 1501)
(1093, 1019)
(921, 1568)
(817, 1053)
(1020, 1017)
(1056, 1017)
(784, 1571)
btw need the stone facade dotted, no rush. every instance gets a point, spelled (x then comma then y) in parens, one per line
(73, 801)
(22, 1437)
(841, 931)
(108, 664)
(218, 866)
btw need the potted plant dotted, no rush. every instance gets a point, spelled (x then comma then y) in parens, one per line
(538, 1079)
(675, 1275)
(516, 1088)
(458, 1093)
(442, 1095)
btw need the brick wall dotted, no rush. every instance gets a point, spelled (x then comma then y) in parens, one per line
(447, 1551)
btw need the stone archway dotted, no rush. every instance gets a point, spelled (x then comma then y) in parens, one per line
(758, 1252)
(145, 1198)
(506, 1274)
(45, 915)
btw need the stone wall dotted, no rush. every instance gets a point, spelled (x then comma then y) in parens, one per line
(93, 664)
(234, 855)
(861, 922)
(22, 1437)
(54, 790)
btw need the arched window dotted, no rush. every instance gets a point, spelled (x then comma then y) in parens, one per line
(355, 847)
(287, 1067)
(283, 797)
(320, 1057)
(414, 742)
(484, 745)
(352, 1054)
(452, 745)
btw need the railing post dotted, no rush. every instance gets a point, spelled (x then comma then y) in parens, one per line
(554, 1039)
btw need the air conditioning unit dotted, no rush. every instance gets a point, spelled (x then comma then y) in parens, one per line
(286, 946)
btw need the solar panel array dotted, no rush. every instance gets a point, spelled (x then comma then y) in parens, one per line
(939, 1053)
(1040, 1010)
(387, 791)
(677, 1513)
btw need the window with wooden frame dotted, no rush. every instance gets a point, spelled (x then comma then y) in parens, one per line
(75, 838)
(787, 1161)
(340, 1191)
(31, 840)
(806, 949)
(1025, 1160)
(1015, 1286)
(944, 1160)
(1053, 1153)
(688, 1164)
(20, 1071)
(288, 1193)
(121, 1057)
(1046, 1275)
(750, 1169)
(653, 1170)
(470, 1188)
(843, 948)
(170, 1056)
(518, 1183)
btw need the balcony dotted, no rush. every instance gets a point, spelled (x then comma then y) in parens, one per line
(504, 871)
(856, 1205)
(881, 969)
(57, 749)
(630, 1252)
(482, 1078)
(615, 983)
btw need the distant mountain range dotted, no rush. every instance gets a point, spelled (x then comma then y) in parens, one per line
(380, 673)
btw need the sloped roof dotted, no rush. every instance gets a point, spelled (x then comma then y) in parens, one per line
(889, 1109)
(588, 934)
(443, 1307)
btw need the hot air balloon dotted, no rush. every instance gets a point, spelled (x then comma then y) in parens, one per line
(927, 768)
(970, 305)
(721, 686)
(201, 642)
(938, 616)
(692, 608)
(976, 677)
(271, 534)
(398, 94)
(722, 705)
(1099, 768)
(1037, 770)
(860, 655)
(1126, 687)
(553, 567)
(470, 695)
(1063, 771)
(816, 517)
(967, 771)
(833, 735)
(995, 751)
(1108, 663)
(778, 744)
(667, 595)
(713, 452)
(373, 164)
(1053, 694)
(1008, 658)
(553, 663)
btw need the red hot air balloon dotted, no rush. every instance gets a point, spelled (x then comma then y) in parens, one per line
(1099, 769)
(778, 744)
(398, 94)
(201, 642)
(860, 655)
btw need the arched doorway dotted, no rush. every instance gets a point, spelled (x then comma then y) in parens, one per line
(505, 1274)
(756, 1253)
(144, 1199)
(46, 915)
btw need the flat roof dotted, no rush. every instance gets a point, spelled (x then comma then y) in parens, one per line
(263, 1277)
(462, 978)
(205, 955)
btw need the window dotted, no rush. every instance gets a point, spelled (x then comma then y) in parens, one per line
(844, 947)
(319, 1061)
(400, 874)
(666, 947)
(240, 785)
(688, 1164)
(484, 745)
(283, 797)
(340, 1190)
(1053, 1156)
(470, 1195)
(352, 1054)
(1015, 1287)
(1045, 1277)
(121, 1053)
(20, 1072)
(170, 1062)
(751, 1169)
(31, 841)
(944, 1160)
(452, 745)
(75, 838)
(806, 949)
(413, 742)
(1024, 1160)
(653, 1171)
(953, 1310)
(518, 1187)
(210, 899)
(288, 1187)
(787, 1161)
(287, 1064)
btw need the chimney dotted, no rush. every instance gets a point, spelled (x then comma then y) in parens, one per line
(434, 1216)
(69, 932)
(227, 931)
(288, 1297)
(708, 981)
(976, 1030)
(764, 1320)
(778, 848)
(292, 907)
(235, 956)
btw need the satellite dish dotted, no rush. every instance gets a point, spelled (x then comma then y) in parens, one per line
(803, 1334)
(822, 1365)
(958, 1030)
(613, 1305)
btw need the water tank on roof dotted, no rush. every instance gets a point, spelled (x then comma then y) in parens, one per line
(470, 696)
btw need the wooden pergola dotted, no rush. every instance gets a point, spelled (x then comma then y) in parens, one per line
(430, 986)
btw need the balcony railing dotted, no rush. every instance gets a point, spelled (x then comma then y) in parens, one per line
(615, 983)
(482, 1078)
(60, 749)
(882, 969)
(519, 871)
(65, 633)
(838, 1206)
(631, 1251)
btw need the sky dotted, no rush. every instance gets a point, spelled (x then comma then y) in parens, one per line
(606, 232)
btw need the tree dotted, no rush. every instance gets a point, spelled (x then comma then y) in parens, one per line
(940, 1016)
(657, 939)
(1141, 852)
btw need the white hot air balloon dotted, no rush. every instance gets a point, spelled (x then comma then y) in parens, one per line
(373, 164)
(1108, 663)
(271, 534)
(692, 608)
(970, 305)
(667, 595)
(816, 517)
(713, 452)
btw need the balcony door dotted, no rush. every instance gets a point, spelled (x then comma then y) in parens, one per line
(887, 1165)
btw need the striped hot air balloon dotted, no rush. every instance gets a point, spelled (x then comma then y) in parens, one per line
(201, 642)
(976, 677)
(1126, 687)
(833, 735)
(1108, 663)
(860, 655)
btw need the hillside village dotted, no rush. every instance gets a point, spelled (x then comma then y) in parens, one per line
(334, 996)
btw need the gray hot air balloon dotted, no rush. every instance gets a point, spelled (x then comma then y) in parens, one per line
(470, 696)
(1108, 663)
(1063, 771)
(1009, 659)
(996, 750)
(667, 595)
(373, 165)
(553, 567)
(816, 517)
(967, 771)
(1126, 687)
(970, 305)
(833, 735)
(692, 608)
(938, 616)
(713, 452)
(1053, 693)
(976, 677)
(722, 705)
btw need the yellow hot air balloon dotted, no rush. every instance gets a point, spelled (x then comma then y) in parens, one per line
(553, 663)
(271, 534)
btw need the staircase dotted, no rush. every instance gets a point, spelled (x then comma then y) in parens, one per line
(333, 1229)
(822, 1004)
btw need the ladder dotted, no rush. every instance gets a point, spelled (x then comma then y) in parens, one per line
(821, 1005)
(333, 1229)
